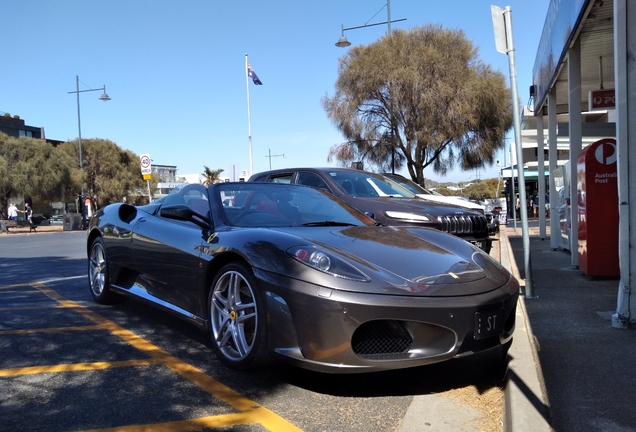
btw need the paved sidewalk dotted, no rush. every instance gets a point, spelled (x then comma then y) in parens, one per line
(570, 369)
(40, 229)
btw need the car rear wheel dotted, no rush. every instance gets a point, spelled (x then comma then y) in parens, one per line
(237, 318)
(98, 274)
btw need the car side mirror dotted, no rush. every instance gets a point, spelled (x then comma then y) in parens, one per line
(183, 212)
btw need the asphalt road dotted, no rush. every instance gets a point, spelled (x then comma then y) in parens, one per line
(67, 363)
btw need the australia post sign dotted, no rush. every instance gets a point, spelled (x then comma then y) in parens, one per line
(601, 99)
(146, 167)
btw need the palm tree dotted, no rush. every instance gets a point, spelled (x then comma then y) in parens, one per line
(211, 176)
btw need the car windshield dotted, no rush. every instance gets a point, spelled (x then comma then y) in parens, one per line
(365, 184)
(251, 204)
(409, 184)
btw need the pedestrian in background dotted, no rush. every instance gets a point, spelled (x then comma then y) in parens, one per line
(13, 212)
(28, 212)
(535, 204)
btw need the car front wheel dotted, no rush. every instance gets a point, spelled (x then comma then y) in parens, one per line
(98, 274)
(237, 318)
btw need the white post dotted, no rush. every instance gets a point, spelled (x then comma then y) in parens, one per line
(576, 139)
(517, 123)
(555, 229)
(249, 123)
(625, 90)
(541, 175)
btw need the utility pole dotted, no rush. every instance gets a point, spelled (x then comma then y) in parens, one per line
(270, 156)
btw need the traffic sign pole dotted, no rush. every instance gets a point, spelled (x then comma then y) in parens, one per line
(146, 170)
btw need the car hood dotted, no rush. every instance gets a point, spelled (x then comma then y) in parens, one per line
(411, 260)
(411, 205)
(453, 201)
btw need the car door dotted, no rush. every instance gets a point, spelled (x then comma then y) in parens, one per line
(167, 251)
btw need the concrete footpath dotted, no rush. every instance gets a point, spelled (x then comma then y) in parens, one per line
(525, 398)
(39, 229)
(570, 370)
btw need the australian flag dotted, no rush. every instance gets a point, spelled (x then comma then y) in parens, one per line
(252, 74)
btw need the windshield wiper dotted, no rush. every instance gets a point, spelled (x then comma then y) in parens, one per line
(328, 223)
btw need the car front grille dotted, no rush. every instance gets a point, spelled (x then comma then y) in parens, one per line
(381, 340)
(464, 224)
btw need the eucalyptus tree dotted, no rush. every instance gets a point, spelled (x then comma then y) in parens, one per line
(422, 97)
(33, 168)
(482, 190)
(110, 173)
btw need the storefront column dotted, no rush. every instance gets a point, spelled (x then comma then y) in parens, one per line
(576, 138)
(541, 176)
(555, 229)
(625, 93)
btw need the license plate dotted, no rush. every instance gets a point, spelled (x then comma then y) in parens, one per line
(488, 323)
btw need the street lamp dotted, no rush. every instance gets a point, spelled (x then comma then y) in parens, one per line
(343, 42)
(104, 97)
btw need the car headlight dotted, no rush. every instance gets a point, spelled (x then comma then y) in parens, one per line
(326, 263)
(407, 216)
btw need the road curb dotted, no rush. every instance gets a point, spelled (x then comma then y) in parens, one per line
(526, 407)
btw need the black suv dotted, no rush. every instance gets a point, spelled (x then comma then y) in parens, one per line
(386, 201)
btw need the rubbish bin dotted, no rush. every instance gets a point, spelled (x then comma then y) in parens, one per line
(66, 223)
(72, 221)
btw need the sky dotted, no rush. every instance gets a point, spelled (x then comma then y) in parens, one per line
(175, 72)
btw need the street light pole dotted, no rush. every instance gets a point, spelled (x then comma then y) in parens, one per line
(104, 97)
(343, 42)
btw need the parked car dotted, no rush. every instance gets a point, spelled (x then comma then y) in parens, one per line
(422, 192)
(386, 201)
(493, 222)
(293, 273)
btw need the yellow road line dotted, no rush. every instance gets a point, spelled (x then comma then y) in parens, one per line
(250, 408)
(51, 330)
(16, 285)
(74, 367)
(223, 420)
(35, 308)
(20, 292)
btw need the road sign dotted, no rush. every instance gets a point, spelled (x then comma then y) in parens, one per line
(144, 161)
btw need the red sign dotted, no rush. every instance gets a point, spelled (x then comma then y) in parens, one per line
(597, 193)
(600, 99)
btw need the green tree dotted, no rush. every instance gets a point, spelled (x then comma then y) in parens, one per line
(422, 96)
(110, 173)
(211, 176)
(482, 190)
(443, 190)
(33, 168)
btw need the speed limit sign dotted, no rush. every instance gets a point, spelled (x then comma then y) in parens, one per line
(144, 161)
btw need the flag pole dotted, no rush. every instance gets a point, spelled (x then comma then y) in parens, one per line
(249, 125)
